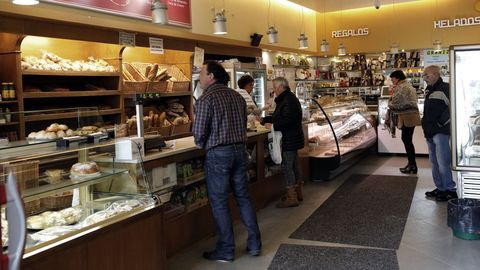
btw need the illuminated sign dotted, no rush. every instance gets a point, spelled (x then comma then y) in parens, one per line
(470, 21)
(350, 33)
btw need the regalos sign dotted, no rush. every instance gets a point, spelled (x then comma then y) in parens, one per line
(470, 21)
(350, 33)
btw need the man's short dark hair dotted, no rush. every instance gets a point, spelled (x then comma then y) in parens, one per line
(244, 81)
(219, 73)
(398, 74)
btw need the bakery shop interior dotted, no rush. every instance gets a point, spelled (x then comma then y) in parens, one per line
(97, 104)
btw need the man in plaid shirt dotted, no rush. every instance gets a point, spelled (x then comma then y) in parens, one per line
(220, 128)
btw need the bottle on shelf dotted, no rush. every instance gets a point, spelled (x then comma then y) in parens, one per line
(8, 116)
(5, 92)
(3, 120)
(11, 91)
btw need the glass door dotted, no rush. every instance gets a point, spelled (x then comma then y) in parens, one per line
(259, 77)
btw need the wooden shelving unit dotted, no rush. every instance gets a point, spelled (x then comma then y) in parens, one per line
(69, 73)
(71, 94)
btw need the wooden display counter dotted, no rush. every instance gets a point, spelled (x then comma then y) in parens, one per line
(145, 239)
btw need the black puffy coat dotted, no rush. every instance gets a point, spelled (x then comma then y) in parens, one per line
(287, 118)
(436, 114)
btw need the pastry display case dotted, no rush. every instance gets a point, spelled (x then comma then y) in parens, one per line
(388, 144)
(339, 129)
(465, 118)
(70, 189)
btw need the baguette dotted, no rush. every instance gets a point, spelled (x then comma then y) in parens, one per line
(147, 70)
(161, 75)
(153, 72)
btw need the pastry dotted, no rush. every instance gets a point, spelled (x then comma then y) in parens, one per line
(32, 135)
(84, 168)
(53, 128)
(63, 127)
(36, 222)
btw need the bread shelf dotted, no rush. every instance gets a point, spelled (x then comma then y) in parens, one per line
(9, 102)
(163, 94)
(69, 73)
(45, 117)
(9, 124)
(71, 94)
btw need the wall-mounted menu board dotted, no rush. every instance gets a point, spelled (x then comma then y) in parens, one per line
(178, 10)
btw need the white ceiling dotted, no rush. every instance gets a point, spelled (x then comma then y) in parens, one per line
(334, 5)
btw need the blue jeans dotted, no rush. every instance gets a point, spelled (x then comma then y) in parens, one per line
(226, 170)
(439, 155)
(290, 170)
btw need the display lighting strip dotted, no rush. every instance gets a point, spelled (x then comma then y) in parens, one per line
(25, 2)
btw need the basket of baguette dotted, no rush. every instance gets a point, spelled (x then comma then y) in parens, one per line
(152, 123)
(178, 117)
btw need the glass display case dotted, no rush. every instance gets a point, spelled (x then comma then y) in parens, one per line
(465, 118)
(70, 189)
(393, 145)
(339, 129)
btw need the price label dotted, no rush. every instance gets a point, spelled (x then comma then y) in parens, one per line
(126, 39)
(156, 45)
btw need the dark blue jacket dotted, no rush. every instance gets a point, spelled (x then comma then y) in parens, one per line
(436, 113)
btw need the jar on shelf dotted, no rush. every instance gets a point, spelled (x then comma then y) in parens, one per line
(11, 91)
(5, 92)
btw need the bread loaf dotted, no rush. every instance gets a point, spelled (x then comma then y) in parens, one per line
(137, 75)
(153, 73)
(147, 70)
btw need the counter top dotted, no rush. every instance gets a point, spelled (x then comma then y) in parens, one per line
(185, 144)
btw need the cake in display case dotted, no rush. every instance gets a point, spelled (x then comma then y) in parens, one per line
(465, 118)
(339, 130)
(69, 190)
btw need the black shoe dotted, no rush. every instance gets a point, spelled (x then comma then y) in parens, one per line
(446, 195)
(433, 193)
(214, 256)
(254, 252)
(409, 169)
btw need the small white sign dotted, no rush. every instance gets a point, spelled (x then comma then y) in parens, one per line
(470, 21)
(156, 45)
(198, 57)
(126, 39)
(350, 33)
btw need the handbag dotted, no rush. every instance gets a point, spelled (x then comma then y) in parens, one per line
(275, 146)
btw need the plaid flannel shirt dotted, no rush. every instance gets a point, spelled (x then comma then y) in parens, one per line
(220, 117)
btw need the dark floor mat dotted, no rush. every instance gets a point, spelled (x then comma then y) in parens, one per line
(333, 258)
(367, 210)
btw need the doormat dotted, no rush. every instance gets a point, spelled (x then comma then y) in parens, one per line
(366, 210)
(333, 258)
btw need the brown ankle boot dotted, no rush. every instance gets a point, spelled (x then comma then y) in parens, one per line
(291, 200)
(299, 190)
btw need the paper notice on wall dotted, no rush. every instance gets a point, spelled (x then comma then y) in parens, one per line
(198, 57)
(438, 58)
(126, 39)
(156, 45)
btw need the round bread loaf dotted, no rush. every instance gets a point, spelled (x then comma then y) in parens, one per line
(84, 168)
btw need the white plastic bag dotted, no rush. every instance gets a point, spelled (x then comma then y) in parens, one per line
(275, 145)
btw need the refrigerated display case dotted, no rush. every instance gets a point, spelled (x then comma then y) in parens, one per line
(339, 130)
(259, 74)
(465, 118)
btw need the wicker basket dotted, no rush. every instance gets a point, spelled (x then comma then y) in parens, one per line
(164, 131)
(181, 129)
(26, 173)
(176, 86)
(32, 208)
(58, 201)
(157, 87)
(130, 87)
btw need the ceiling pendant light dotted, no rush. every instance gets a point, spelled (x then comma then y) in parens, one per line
(159, 12)
(220, 23)
(25, 2)
(394, 47)
(303, 40)
(437, 45)
(272, 35)
(324, 46)
(341, 49)
(272, 32)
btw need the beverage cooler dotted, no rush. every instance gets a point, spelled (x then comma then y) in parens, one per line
(465, 118)
(259, 74)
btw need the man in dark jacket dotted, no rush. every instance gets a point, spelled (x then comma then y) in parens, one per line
(436, 126)
(287, 118)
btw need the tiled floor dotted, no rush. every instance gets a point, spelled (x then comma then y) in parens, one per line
(427, 242)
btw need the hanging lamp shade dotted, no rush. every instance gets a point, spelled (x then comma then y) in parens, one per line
(272, 33)
(437, 45)
(303, 41)
(25, 2)
(324, 46)
(220, 23)
(159, 12)
(394, 47)
(341, 49)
